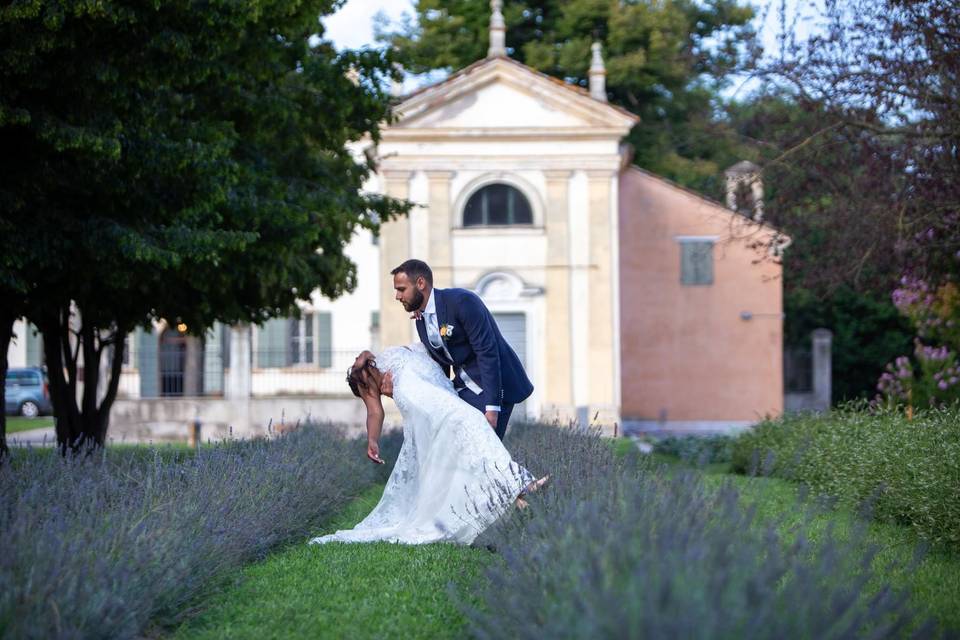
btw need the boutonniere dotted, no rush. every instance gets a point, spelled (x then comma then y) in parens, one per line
(446, 331)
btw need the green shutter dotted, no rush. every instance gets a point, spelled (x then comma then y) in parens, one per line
(34, 342)
(147, 363)
(696, 262)
(325, 339)
(213, 359)
(273, 341)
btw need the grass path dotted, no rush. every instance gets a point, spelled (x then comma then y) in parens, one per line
(343, 591)
(17, 424)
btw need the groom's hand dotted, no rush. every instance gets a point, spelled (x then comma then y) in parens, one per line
(386, 384)
(373, 451)
(492, 417)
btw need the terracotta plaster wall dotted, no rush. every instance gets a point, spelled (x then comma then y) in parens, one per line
(686, 352)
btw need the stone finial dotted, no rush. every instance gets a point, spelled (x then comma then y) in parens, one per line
(745, 189)
(498, 31)
(598, 74)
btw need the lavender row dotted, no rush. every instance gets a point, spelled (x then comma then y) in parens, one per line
(105, 545)
(622, 547)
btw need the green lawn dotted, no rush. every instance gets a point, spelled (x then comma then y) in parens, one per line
(383, 590)
(17, 424)
(343, 590)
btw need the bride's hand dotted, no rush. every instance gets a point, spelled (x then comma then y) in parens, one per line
(373, 451)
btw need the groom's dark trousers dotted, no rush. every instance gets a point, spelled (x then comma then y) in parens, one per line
(477, 403)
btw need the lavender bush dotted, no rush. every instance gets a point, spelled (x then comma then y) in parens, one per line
(103, 545)
(909, 470)
(697, 449)
(620, 547)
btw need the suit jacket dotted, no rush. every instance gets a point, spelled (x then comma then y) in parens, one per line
(475, 345)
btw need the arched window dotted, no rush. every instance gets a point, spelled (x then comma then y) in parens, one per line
(497, 205)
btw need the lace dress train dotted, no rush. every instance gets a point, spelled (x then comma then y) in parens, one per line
(453, 477)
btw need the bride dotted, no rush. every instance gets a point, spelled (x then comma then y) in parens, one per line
(453, 477)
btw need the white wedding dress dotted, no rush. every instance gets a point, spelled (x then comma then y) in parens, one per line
(453, 477)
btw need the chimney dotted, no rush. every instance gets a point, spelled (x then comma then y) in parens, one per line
(598, 74)
(498, 31)
(745, 190)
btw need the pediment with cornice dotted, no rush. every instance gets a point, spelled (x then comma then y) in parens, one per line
(500, 97)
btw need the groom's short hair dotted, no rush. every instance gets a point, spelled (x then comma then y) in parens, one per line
(414, 269)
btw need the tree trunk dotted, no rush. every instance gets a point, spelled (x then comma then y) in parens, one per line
(84, 425)
(6, 334)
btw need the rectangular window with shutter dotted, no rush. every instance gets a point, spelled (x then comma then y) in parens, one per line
(696, 261)
(302, 348)
(273, 343)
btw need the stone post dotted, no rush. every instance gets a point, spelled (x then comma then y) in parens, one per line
(822, 368)
(395, 326)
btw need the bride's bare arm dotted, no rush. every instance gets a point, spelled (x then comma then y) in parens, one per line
(371, 399)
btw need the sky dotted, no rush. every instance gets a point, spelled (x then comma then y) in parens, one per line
(352, 26)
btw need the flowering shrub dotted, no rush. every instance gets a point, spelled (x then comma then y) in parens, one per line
(623, 548)
(98, 546)
(935, 312)
(936, 381)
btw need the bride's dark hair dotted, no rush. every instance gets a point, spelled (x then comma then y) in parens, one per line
(355, 376)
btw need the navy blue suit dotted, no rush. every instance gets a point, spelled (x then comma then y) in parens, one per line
(473, 340)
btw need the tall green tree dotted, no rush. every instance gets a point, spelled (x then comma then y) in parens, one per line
(666, 61)
(175, 160)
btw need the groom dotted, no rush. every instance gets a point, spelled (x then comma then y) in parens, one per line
(460, 333)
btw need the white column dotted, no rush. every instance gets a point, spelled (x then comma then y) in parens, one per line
(440, 223)
(601, 299)
(395, 325)
(238, 384)
(559, 389)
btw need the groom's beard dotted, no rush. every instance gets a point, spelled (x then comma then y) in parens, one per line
(414, 304)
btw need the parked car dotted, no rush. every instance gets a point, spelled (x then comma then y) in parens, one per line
(27, 392)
